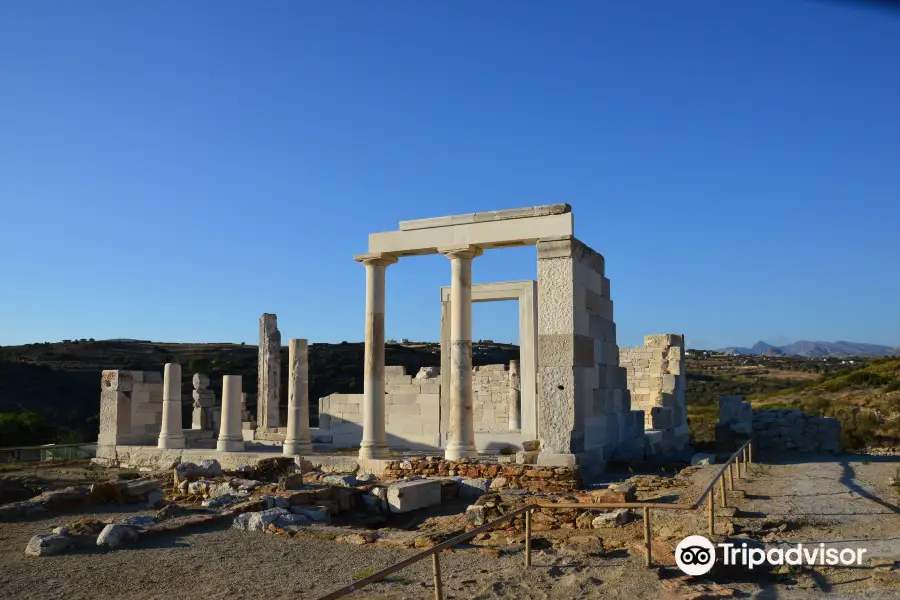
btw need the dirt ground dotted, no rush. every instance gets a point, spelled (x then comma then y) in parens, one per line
(846, 500)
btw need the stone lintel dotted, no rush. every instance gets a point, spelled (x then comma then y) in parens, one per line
(487, 234)
(485, 217)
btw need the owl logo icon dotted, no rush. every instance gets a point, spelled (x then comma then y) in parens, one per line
(695, 555)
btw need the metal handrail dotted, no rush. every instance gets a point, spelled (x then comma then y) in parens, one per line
(745, 451)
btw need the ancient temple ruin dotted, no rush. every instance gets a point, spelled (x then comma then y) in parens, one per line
(573, 398)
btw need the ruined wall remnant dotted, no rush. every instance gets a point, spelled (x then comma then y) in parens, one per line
(130, 407)
(657, 381)
(269, 391)
(584, 407)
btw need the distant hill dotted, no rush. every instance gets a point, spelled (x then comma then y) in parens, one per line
(806, 349)
(61, 381)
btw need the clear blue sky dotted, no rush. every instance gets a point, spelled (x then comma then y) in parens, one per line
(171, 170)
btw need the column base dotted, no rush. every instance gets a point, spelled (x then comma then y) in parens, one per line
(171, 442)
(454, 452)
(293, 447)
(374, 450)
(230, 446)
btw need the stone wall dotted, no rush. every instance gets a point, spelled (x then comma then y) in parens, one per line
(491, 397)
(130, 407)
(490, 476)
(412, 407)
(784, 429)
(657, 382)
(584, 407)
(774, 429)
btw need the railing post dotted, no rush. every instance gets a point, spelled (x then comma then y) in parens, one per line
(436, 565)
(750, 452)
(647, 543)
(746, 462)
(722, 491)
(528, 537)
(711, 504)
(731, 475)
(737, 465)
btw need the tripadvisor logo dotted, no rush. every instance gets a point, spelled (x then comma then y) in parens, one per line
(695, 555)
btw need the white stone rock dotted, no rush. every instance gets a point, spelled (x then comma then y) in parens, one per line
(615, 518)
(471, 488)
(407, 496)
(340, 480)
(319, 514)
(258, 521)
(702, 459)
(62, 530)
(47, 544)
(211, 467)
(117, 536)
(292, 519)
(366, 478)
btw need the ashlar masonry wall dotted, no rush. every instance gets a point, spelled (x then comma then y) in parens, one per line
(491, 384)
(412, 407)
(657, 381)
(584, 407)
(130, 407)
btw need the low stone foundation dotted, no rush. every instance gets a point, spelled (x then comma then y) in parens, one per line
(496, 476)
(785, 429)
(775, 429)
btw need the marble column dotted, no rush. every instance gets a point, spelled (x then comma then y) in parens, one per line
(268, 395)
(515, 396)
(231, 438)
(170, 434)
(374, 438)
(461, 441)
(297, 440)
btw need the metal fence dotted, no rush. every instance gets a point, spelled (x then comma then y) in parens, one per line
(734, 468)
(47, 452)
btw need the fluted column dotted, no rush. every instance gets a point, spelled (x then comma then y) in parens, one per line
(461, 442)
(374, 437)
(231, 439)
(297, 439)
(170, 434)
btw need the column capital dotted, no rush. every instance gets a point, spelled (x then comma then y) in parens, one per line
(452, 252)
(376, 259)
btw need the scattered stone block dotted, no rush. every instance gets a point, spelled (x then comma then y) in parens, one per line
(117, 536)
(531, 446)
(319, 514)
(407, 496)
(615, 518)
(139, 521)
(475, 515)
(702, 459)
(258, 521)
(141, 487)
(47, 544)
(211, 468)
(340, 480)
(291, 519)
(366, 478)
(471, 488)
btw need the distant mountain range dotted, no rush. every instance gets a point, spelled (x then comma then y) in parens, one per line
(816, 349)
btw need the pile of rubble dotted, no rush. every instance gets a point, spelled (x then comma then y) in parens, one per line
(145, 491)
(493, 506)
(495, 475)
(113, 534)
